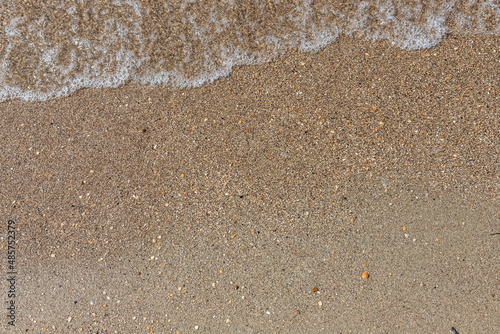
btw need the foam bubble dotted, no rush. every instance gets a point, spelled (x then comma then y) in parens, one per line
(52, 53)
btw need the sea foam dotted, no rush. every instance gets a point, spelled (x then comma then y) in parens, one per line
(51, 50)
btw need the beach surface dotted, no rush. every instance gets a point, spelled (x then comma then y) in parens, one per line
(256, 203)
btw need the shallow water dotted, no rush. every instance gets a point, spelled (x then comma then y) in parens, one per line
(52, 49)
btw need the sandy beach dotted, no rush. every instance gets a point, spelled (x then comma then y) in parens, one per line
(256, 203)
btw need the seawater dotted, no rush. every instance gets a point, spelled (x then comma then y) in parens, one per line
(52, 48)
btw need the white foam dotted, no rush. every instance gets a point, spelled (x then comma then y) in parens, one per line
(119, 55)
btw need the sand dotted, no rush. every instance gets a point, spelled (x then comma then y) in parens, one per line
(254, 204)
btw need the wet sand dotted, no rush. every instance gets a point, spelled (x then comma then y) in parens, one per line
(254, 205)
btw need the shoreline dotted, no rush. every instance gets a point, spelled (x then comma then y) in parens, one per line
(256, 203)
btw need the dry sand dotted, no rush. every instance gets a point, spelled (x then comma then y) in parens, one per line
(254, 205)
